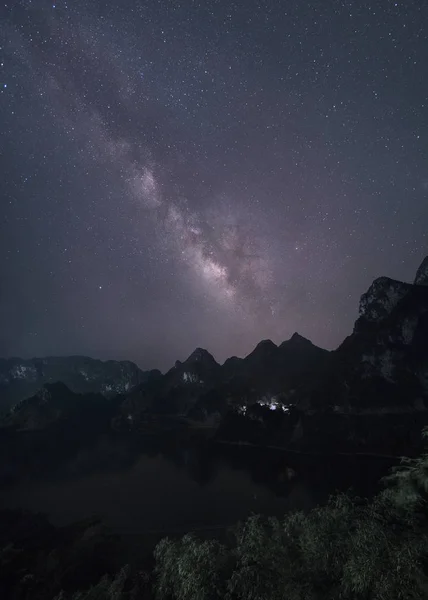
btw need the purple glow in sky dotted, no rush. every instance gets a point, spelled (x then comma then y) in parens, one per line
(174, 178)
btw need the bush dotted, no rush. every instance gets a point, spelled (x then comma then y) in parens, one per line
(351, 549)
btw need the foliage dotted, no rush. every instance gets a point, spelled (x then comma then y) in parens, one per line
(125, 585)
(351, 549)
(190, 569)
(407, 484)
(106, 589)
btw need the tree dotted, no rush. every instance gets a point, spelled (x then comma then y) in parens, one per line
(350, 549)
(189, 569)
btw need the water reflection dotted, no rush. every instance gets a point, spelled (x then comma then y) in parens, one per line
(162, 485)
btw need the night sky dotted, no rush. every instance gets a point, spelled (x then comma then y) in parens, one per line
(205, 173)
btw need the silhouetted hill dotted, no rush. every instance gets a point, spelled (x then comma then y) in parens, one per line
(199, 386)
(20, 378)
(272, 369)
(373, 388)
(384, 362)
(55, 404)
(374, 391)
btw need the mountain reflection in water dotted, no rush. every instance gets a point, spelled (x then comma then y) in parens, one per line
(163, 486)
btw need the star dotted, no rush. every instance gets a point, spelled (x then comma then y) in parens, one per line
(229, 182)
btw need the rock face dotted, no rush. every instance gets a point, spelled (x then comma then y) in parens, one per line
(379, 372)
(20, 379)
(383, 364)
(381, 298)
(199, 368)
(422, 273)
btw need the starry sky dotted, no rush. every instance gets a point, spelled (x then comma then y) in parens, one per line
(183, 173)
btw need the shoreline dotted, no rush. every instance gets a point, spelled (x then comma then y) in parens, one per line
(318, 454)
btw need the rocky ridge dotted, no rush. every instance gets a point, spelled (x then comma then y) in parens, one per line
(374, 391)
(371, 393)
(22, 378)
(199, 387)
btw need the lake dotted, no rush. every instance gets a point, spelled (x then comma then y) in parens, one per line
(166, 486)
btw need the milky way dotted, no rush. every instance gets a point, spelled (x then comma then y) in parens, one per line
(209, 177)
